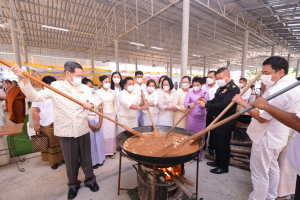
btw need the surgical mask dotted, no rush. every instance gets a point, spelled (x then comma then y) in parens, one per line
(76, 81)
(241, 85)
(185, 85)
(266, 79)
(166, 88)
(106, 85)
(209, 81)
(92, 90)
(3, 87)
(116, 80)
(196, 89)
(221, 82)
(139, 80)
(130, 88)
(150, 89)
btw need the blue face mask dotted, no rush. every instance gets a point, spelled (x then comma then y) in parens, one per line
(3, 87)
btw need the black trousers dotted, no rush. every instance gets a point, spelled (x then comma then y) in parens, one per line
(297, 192)
(222, 137)
(73, 149)
(209, 119)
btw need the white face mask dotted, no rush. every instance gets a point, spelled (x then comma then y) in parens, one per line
(241, 85)
(185, 85)
(197, 89)
(130, 88)
(106, 85)
(76, 81)
(139, 80)
(92, 90)
(116, 80)
(150, 89)
(166, 88)
(209, 81)
(266, 79)
(221, 82)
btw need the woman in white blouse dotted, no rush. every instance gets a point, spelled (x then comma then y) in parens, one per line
(179, 99)
(151, 97)
(159, 85)
(165, 103)
(129, 104)
(116, 84)
(110, 108)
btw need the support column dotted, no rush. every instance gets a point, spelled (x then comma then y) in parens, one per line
(297, 69)
(171, 64)
(191, 70)
(244, 56)
(289, 59)
(26, 58)
(136, 65)
(92, 61)
(273, 50)
(228, 63)
(15, 43)
(117, 55)
(168, 65)
(185, 37)
(204, 68)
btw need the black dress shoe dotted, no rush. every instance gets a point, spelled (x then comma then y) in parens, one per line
(54, 166)
(100, 164)
(93, 187)
(212, 164)
(218, 171)
(211, 152)
(73, 192)
(95, 166)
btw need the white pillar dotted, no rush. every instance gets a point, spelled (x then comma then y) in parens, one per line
(117, 55)
(171, 64)
(185, 37)
(168, 65)
(204, 68)
(92, 61)
(191, 70)
(136, 65)
(244, 56)
(15, 43)
(273, 50)
(297, 69)
(228, 63)
(289, 59)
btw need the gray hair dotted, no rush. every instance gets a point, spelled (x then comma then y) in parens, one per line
(70, 66)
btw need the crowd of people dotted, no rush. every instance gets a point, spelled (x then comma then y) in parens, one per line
(80, 137)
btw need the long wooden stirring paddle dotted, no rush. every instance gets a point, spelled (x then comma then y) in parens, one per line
(229, 106)
(74, 100)
(155, 131)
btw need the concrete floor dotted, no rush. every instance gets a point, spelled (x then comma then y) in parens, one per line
(39, 181)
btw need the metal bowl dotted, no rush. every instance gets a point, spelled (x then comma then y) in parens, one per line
(160, 161)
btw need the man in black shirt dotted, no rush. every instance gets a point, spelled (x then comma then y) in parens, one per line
(222, 135)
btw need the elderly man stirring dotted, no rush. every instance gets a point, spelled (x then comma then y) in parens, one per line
(70, 121)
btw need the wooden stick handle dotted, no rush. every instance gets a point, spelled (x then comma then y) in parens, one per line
(61, 93)
(150, 116)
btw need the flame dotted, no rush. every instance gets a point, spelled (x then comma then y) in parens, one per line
(176, 170)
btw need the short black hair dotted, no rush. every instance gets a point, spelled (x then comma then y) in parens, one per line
(139, 72)
(102, 78)
(151, 81)
(298, 78)
(198, 80)
(71, 66)
(277, 63)
(112, 84)
(243, 79)
(127, 79)
(7, 81)
(159, 80)
(252, 86)
(48, 79)
(212, 71)
(221, 70)
(170, 82)
(187, 78)
(15, 82)
(204, 79)
(85, 80)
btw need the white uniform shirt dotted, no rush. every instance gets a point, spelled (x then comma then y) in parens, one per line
(293, 154)
(152, 98)
(126, 100)
(138, 88)
(179, 99)
(117, 91)
(246, 95)
(277, 133)
(108, 99)
(211, 90)
(46, 111)
(2, 93)
(165, 99)
(70, 119)
(97, 102)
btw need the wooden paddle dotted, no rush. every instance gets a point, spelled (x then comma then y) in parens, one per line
(185, 114)
(229, 106)
(74, 100)
(155, 131)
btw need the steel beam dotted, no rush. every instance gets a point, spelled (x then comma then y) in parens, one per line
(15, 43)
(273, 50)
(185, 37)
(268, 5)
(244, 55)
(297, 69)
(204, 68)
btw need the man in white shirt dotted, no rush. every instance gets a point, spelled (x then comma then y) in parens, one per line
(268, 135)
(211, 87)
(138, 86)
(242, 85)
(70, 122)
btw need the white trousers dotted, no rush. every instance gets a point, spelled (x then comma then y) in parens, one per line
(265, 171)
(140, 118)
